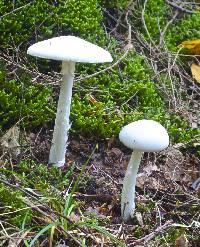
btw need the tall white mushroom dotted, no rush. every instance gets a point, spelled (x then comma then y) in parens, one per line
(141, 136)
(69, 50)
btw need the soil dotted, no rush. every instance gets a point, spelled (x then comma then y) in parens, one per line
(159, 198)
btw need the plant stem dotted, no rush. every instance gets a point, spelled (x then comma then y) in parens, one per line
(128, 191)
(62, 124)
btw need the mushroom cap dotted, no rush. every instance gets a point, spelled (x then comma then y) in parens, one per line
(144, 135)
(69, 48)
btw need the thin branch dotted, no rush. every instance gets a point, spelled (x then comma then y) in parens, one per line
(144, 22)
(166, 27)
(158, 230)
(173, 4)
(17, 9)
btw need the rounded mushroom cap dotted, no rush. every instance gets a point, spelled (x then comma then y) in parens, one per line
(144, 135)
(69, 48)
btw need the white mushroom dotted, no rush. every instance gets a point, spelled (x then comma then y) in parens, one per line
(68, 49)
(141, 136)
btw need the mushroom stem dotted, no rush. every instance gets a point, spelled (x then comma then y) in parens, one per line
(128, 191)
(62, 123)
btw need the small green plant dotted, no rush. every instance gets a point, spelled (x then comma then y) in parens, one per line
(13, 209)
(163, 13)
(49, 213)
(120, 97)
(118, 4)
(47, 19)
(23, 101)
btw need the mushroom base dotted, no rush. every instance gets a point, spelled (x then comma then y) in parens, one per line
(128, 191)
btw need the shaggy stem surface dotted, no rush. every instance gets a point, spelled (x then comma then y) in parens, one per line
(62, 122)
(128, 191)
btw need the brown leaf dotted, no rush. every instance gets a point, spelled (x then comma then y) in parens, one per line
(174, 165)
(9, 142)
(91, 99)
(182, 241)
(144, 180)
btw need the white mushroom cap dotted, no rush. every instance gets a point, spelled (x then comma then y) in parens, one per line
(69, 48)
(144, 135)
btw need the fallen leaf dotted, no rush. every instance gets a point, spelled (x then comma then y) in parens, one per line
(91, 99)
(182, 241)
(9, 142)
(195, 69)
(174, 167)
(150, 182)
(145, 179)
(192, 45)
(139, 218)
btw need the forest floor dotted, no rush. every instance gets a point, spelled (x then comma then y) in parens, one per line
(79, 204)
(167, 199)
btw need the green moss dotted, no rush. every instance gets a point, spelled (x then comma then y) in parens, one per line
(154, 23)
(22, 22)
(24, 101)
(83, 18)
(183, 27)
(115, 3)
(123, 95)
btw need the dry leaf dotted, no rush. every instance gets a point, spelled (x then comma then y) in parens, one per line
(174, 167)
(91, 99)
(144, 178)
(192, 45)
(9, 142)
(139, 218)
(182, 241)
(195, 69)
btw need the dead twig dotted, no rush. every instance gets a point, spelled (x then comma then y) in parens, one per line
(158, 230)
(173, 4)
(144, 22)
(166, 27)
(17, 9)
(127, 48)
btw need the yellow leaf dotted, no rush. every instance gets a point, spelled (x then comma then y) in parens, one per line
(195, 69)
(192, 45)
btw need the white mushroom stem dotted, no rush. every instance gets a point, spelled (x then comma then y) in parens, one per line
(62, 122)
(128, 191)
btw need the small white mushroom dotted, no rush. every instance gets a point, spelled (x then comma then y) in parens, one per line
(69, 50)
(141, 136)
